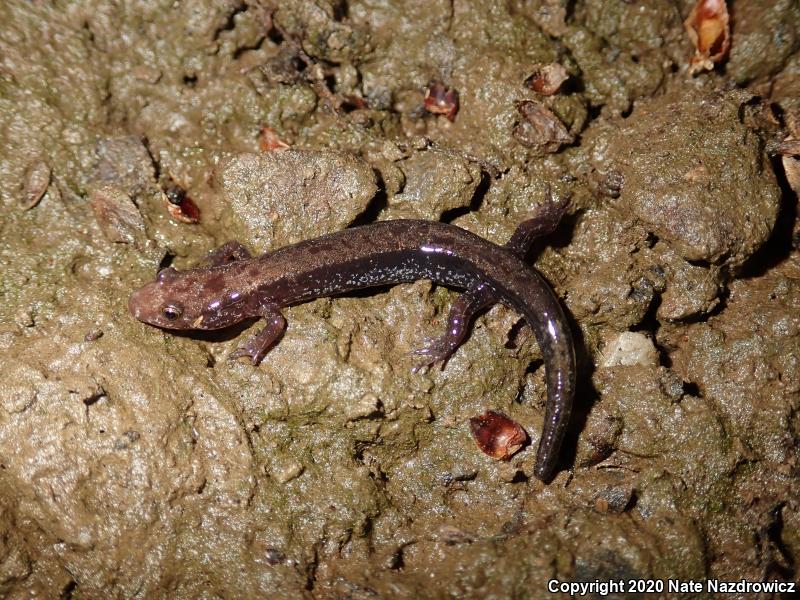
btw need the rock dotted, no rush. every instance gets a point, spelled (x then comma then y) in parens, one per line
(630, 348)
(280, 198)
(697, 176)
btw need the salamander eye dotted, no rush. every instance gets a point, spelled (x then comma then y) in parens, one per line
(171, 312)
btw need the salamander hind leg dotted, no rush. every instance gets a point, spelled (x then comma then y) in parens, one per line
(227, 253)
(544, 220)
(461, 314)
(258, 345)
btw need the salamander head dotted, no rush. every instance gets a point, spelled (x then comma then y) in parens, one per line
(173, 301)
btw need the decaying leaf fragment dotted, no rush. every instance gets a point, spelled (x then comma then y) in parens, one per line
(709, 29)
(540, 128)
(37, 180)
(117, 215)
(441, 100)
(268, 140)
(789, 150)
(547, 79)
(497, 435)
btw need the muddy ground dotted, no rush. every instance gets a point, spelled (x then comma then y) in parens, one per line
(135, 463)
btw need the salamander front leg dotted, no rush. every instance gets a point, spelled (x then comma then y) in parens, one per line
(461, 314)
(257, 346)
(227, 253)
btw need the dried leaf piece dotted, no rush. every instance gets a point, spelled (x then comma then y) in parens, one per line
(180, 206)
(709, 30)
(541, 128)
(440, 100)
(789, 147)
(791, 167)
(117, 215)
(547, 79)
(351, 102)
(268, 140)
(497, 435)
(37, 180)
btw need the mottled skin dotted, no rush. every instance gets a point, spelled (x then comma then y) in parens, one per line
(233, 286)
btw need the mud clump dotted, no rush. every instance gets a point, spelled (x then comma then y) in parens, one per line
(135, 462)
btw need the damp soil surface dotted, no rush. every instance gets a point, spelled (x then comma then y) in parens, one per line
(138, 463)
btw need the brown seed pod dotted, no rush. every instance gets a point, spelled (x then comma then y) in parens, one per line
(440, 100)
(709, 29)
(497, 435)
(547, 79)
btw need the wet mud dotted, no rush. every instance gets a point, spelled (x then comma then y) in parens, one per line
(141, 464)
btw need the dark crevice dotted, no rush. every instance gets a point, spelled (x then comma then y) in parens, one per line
(330, 82)
(166, 261)
(275, 36)
(650, 323)
(520, 477)
(153, 159)
(230, 21)
(397, 561)
(699, 262)
(246, 48)
(311, 569)
(593, 112)
(513, 337)
(779, 563)
(722, 303)
(89, 33)
(375, 206)
(481, 189)
(780, 243)
(69, 590)
(217, 335)
(365, 292)
(534, 365)
(341, 10)
(692, 389)
(100, 393)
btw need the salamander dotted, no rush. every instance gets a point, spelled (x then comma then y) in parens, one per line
(232, 286)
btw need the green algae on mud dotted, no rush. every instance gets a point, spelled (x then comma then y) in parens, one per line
(142, 463)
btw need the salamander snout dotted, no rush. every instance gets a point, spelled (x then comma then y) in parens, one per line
(152, 304)
(134, 304)
(144, 303)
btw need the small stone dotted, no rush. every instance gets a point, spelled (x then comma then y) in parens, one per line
(288, 471)
(630, 348)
